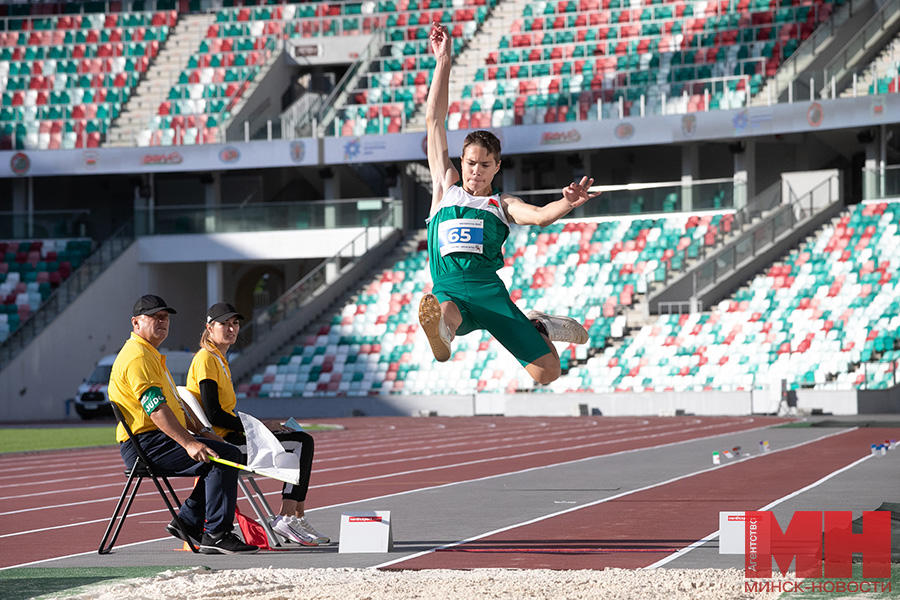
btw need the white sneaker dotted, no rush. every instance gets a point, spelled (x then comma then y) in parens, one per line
(432, 320)
(304, 523)
(560, 329)
(292, 531)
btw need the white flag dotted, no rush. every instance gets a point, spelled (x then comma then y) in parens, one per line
(266, 455)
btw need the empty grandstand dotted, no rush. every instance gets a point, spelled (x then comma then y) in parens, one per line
(271, 154)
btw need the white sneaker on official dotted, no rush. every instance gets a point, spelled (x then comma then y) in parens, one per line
(560, 329)
(291, 531)
(432, 320)
(304, 523)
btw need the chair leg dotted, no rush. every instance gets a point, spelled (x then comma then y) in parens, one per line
(172, 509)
(118, 520)
(258, 503)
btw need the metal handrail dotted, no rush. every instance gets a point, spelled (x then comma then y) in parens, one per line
(838, 66)
(294, 299)
(784, 218)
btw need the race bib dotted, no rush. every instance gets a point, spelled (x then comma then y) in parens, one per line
(461, 235)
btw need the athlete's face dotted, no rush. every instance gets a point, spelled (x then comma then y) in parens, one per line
(224, 334)
(153, 328)
(478, 170)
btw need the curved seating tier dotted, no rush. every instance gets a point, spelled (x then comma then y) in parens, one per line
(64, 79)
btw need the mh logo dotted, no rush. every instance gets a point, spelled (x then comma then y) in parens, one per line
(817, 539)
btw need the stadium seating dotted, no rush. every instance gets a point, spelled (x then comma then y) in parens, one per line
(29, 272)
(827, 316)
(64, 79)
(589, 270)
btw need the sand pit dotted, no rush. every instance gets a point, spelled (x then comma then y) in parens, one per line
(368, 584)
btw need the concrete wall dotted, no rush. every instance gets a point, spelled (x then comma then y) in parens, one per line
(263, 245)
(36, 384)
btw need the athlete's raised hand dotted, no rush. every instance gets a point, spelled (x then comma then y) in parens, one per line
(577, 194)
(441, 43)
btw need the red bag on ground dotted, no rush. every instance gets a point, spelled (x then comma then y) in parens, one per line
(253, 532)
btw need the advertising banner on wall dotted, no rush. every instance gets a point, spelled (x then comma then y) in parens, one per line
(160, 159)
(722, 125)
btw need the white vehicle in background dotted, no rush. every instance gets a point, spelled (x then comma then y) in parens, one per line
(92, 400)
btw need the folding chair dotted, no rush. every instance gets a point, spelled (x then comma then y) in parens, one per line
(255, 497)
(142, 469)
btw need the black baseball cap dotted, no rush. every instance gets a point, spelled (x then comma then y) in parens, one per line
(221, 312)
(150, 304)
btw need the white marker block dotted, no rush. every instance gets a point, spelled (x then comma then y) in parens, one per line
(368, 531)
(731, 532)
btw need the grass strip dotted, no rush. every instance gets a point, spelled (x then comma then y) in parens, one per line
(35, 582)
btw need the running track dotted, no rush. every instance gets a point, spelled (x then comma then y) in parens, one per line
(68, 496)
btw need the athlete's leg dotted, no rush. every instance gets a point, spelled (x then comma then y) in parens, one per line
(439, 321)
(545, 369)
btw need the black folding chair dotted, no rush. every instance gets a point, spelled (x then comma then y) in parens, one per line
(142, 468)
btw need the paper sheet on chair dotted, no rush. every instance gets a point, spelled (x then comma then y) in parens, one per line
(266, 455)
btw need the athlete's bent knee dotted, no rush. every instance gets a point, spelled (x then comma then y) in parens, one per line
(545, 375)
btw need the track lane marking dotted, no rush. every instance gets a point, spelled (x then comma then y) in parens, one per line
(608, 499)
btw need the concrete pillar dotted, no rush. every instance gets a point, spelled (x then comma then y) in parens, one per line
(215, 285)
(23, 207)
(744, 171)
(511, 170)
(871, 176)
(690, 169)
(332, 191)
(212, 198)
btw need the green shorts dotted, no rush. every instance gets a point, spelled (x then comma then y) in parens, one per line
(484, 303)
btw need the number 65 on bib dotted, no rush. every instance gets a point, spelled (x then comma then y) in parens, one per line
(461, 235)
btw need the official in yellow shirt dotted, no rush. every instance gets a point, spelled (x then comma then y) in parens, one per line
(210, 380)
(143, 389)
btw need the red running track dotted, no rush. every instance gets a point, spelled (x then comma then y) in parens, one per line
(72, 493)
(625, 532)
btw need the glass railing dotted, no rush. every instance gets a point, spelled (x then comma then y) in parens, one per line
(227, 218)
(641, 198)
(46, 224)
(69, 289)
(881, 183)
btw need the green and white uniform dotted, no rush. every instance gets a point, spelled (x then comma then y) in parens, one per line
(465, 251)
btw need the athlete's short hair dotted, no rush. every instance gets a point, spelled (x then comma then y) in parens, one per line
(486, 140)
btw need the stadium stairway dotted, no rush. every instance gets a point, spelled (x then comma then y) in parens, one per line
(279, 335)
(144, 104)
(764, 230)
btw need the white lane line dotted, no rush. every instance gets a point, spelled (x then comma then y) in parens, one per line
(715, 534)
(320, 471)
(422, 489)
(604, 500)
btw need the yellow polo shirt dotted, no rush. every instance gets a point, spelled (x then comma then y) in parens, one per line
(214, 366)
(138, 367)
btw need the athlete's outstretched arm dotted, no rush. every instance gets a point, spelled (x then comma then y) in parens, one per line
(574, 195)
(443, 174)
